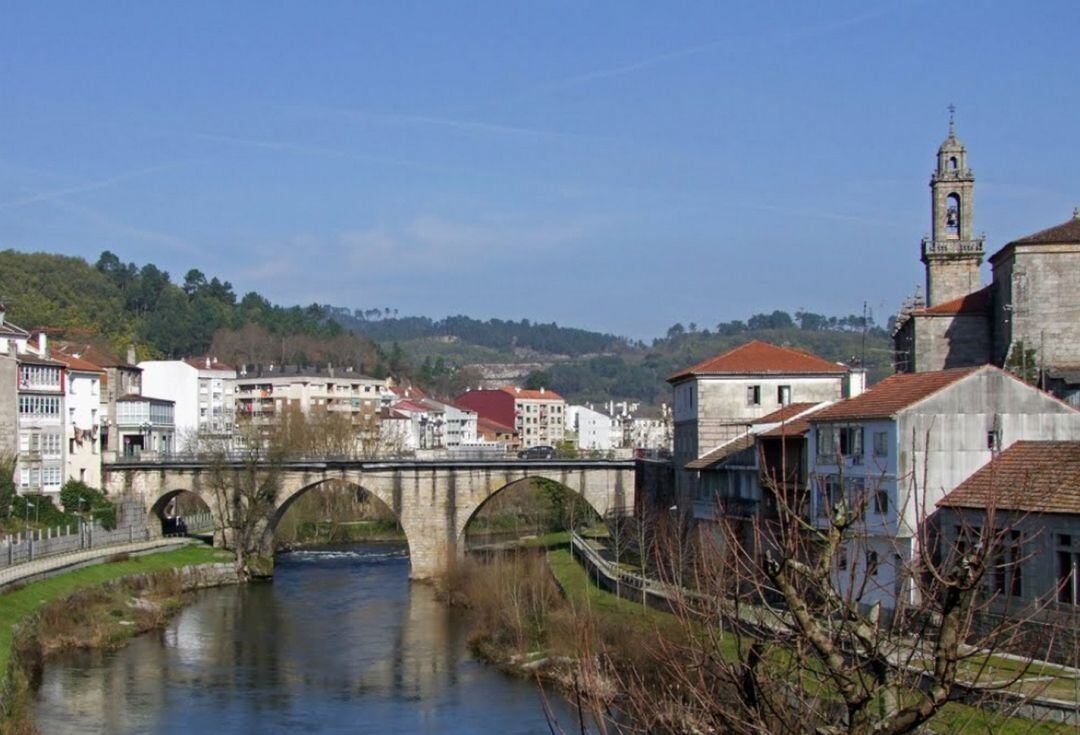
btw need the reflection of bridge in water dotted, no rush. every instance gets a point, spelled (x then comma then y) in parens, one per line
(433, 500)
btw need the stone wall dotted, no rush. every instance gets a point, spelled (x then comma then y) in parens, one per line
(1044, 284)
(950, 340)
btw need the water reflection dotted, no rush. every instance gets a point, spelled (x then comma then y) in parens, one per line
(339, 642)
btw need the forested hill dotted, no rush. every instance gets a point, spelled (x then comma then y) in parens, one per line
(641, 375)
(496, 334)
(114, 304)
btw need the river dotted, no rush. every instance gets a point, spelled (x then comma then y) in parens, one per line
(340, 641)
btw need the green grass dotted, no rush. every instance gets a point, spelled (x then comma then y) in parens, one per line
(954, 718)
(584, 594)
(19, 604)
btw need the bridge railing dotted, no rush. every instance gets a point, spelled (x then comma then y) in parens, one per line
(27, 546)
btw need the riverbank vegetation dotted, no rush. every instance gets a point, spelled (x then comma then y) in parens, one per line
(91, 607)
(539, 614)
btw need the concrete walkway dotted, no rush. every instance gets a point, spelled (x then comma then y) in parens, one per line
(49, 565)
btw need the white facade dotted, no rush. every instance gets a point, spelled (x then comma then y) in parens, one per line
(592, 429)
(82, 426)
(202, 391)
(459, 424)
(899, 467)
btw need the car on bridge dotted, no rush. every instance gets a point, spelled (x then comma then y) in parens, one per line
(540, 452)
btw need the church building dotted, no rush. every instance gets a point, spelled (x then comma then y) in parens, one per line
(1027, 319)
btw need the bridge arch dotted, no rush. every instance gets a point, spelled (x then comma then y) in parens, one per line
(173, 511)
(567, 507)
(290, 497)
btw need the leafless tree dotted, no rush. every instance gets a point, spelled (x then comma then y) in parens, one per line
(787, 634)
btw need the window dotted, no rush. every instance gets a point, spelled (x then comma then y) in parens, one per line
(881, 444)
(1067, 567)
(871, 563)
(1007, 577)
(993, 440)
(753, 395)
(881, 502)
(783, 395)
(842, 440)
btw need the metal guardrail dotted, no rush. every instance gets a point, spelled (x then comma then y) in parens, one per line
(29, 546)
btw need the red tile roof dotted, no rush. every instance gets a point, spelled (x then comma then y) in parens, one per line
(77, 363)
(532, 395)
(93, 354)
(894, 394)
(1029, 476)
(408, 391)
(757, 358)
(785, 413)
(721, 452)
(411, 406)
(491, 426)
(795, 427)
(977, 302)
(1066, 232)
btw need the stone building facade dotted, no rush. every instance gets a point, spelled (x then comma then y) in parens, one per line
(1027, 313)
(717, 399)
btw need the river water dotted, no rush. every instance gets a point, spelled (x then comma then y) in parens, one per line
(341, 641)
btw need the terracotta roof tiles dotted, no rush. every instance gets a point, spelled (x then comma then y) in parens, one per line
(722, 452)
(785, 413)
(758, 358)
(533, 395)
(797, 426)
(977, 302)
(1066, 232)
(893, 394)
(1029, 476)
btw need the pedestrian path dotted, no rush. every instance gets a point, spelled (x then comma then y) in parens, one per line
(38, 567)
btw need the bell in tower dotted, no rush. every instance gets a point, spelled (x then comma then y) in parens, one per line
(952, 253)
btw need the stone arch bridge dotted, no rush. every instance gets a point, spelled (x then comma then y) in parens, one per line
(433, 500)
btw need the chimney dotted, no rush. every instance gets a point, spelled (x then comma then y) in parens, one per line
(131, 354)
(541, 389)
(854, 383)
(207, 363)
(42, 344)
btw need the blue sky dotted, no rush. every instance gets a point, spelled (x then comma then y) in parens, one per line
(618, 166)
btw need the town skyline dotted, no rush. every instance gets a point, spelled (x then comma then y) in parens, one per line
(393, 148)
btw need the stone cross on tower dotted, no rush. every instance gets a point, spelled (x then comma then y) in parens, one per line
(952, 253)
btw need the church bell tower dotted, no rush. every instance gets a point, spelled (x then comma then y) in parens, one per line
(952, 253)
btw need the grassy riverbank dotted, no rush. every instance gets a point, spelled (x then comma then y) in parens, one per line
(87, 607)
(580, 591)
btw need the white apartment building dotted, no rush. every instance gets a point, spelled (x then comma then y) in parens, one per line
(896, 450)
(459, 424)
(203, 392)
(592, 430)
(265, 391)
(82, 420)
